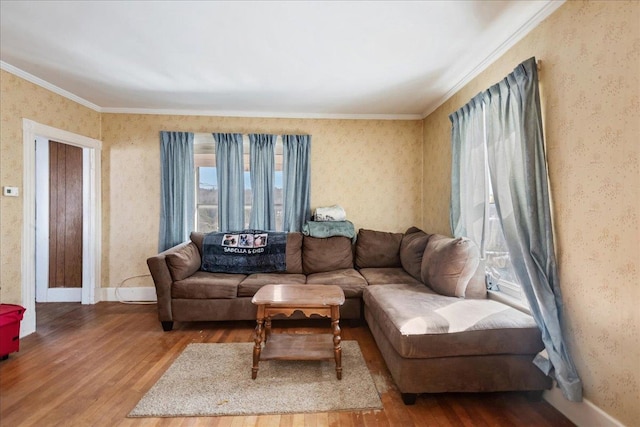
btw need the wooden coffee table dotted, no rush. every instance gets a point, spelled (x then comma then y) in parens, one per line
(322, 300)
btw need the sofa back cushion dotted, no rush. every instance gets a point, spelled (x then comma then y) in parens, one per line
(294, 253)
(411, 250)
(378, 249)
(197, 238)
(326, 254)
(449, 264)
(294, 250)
(184, 261)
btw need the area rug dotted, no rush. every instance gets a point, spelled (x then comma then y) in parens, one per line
(215, 379)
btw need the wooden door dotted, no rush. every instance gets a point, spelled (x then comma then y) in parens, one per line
(65, 216)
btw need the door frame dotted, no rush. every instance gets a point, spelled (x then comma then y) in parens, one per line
(91, 227)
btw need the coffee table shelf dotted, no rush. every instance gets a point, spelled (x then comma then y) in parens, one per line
(298, 347)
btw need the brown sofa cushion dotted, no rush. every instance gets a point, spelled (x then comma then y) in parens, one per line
(197, 238)
(411, 249)
(386, 276)
(326, 254)
(250, 285)
(378, 249)
(205, 285)
(449, 264)
(351, 282)
(420, 323)
(294, 253)
(184, 261)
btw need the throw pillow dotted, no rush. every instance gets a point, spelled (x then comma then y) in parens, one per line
(449, 264)
(184, 261)
(411, 250)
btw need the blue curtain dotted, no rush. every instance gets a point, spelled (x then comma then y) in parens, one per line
(230, 171)
(518, 170)
(262, 169)
(468, 173)
(177, 188)
(296, 181)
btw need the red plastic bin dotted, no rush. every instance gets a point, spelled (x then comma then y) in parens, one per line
(10, 317)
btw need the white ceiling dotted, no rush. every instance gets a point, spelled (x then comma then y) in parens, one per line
(394, 59)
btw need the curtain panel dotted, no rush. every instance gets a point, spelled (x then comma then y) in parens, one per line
(230, 172)
(262, 174)
(518, 172)
(468, 173)
(177, 188)
(296, 181)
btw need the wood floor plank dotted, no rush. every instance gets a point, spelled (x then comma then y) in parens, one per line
(89, 365)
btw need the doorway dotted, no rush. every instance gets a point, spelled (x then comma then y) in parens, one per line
(91, 215)
(61, 172)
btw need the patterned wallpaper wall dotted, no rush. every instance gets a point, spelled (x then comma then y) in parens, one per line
(20, 99)
(590, 84)
(373, 168)
(590, 54)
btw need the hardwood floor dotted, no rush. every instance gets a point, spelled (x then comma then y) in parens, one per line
(89, 366)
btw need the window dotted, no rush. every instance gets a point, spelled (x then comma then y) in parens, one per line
(207, 183)
(498, 266)
(500, 275)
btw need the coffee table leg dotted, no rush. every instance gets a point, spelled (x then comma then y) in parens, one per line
(258, 341)
(267, 329)
(337, 348)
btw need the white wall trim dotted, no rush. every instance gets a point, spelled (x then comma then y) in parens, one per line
(42, 218)
(64, 295)
(45, 84)
(92, 234)
(584, 414)
(543, 14)
(133, 294)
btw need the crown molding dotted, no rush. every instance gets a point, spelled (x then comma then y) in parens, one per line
(46, 85)
(518, 35)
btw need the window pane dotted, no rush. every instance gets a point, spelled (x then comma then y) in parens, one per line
(207, 186)
(277, 198)
(207, 219)
(248, 195)
(278, 185)
(498, 260)
(207, 200)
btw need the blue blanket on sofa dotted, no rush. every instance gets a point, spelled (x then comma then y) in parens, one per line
(246, 252)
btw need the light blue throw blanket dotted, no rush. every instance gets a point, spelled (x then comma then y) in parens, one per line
(325, 229)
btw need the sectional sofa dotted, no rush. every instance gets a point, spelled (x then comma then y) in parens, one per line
(422, 295)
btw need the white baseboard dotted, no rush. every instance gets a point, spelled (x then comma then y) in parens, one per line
(137, 294)
(583, 414)
(63, 295)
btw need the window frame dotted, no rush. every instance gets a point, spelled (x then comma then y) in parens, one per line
(248, 198)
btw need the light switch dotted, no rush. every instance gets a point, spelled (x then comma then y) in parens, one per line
(11, 191)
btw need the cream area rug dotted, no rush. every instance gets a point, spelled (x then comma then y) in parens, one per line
(215, 379)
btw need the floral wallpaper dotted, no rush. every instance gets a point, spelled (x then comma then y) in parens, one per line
(590, 55)
(21, 99)
(590, 90)
(372, 168)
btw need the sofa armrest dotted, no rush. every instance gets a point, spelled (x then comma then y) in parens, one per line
(162, 279)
